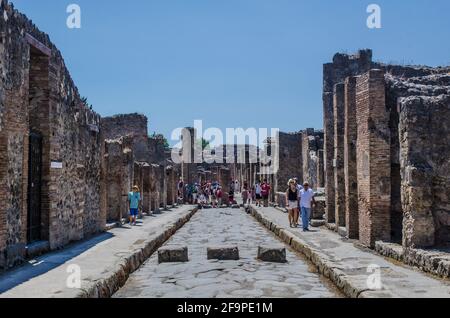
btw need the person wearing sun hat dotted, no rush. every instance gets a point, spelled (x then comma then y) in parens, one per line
(292, 203)
(134, 198)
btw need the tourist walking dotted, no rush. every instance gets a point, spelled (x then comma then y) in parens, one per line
(214, 198)
(231, 196)
(195, 192)
(180, 188)
(292, 203)
(245, 193)
(219, 195)
(134, 198)
(258, 191)
(307, 201)
(265, 192)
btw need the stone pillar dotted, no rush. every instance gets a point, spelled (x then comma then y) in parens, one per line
(329, 157)
(113, 180)
(373, 158)
(146, 208)
(350, 171)
(339, 128)
(320, 169)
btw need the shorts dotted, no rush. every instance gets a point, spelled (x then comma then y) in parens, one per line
(292, 205)
(258, 197)
(134, 212)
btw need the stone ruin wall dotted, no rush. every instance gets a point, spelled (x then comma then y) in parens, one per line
(312, 152)
(423, 112)
(290, 160)
(144, 162)
(399, 165)
(37, 93)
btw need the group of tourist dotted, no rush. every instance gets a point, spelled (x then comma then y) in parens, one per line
(299, 200)
(202, 194)
(259, 193)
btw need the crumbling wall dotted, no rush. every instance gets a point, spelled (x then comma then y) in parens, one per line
(343, 66)
(312, 163)
(38, 95)
(134, 125)
(290, 160)
(118, 177)
(424, 112)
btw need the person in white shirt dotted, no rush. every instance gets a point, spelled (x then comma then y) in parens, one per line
(307, 201)
(258, 192)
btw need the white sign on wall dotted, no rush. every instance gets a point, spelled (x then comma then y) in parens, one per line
(56, 165)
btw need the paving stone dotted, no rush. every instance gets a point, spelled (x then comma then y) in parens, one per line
(216, 278)
(274, 254)
(173, 254)
(223, 253)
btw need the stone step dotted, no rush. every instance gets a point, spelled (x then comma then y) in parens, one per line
(173, 254)
(223, 253)
(272, 254)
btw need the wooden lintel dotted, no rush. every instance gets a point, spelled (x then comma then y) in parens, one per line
(38, 45)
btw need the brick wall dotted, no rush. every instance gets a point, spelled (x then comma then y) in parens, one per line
(343, 66)
(39, 95)
(373, 157)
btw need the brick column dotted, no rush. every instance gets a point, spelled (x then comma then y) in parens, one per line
(373, 158)
(339, 129)
(329, 156)
(350, 171)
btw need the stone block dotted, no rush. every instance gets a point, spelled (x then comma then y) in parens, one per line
(223, 253)
(342, 231)
(317, 223)
(37, 248)
(15, 254)
(273, 254)
(173, 254)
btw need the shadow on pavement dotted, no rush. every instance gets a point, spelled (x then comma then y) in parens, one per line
(47, 262)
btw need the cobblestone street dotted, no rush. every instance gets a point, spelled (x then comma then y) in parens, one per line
(247, 277)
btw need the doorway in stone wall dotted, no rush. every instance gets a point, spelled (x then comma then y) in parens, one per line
(396, 180)
(39, 148)
(34, 188)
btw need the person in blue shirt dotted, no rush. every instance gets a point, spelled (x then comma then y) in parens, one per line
(134, 199)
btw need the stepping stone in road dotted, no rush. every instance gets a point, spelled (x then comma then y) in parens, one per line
(272, 254)
(223, 253)
(173, 254)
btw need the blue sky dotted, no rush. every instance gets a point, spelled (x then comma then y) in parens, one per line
(231, 63)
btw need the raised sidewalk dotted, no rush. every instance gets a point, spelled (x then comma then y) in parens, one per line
(349, 266)
(105, 261)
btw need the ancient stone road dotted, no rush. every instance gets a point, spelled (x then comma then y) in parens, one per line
(247, 277)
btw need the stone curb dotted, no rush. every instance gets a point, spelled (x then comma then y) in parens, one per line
(432, 262)
(106, 287)
(324, 266)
